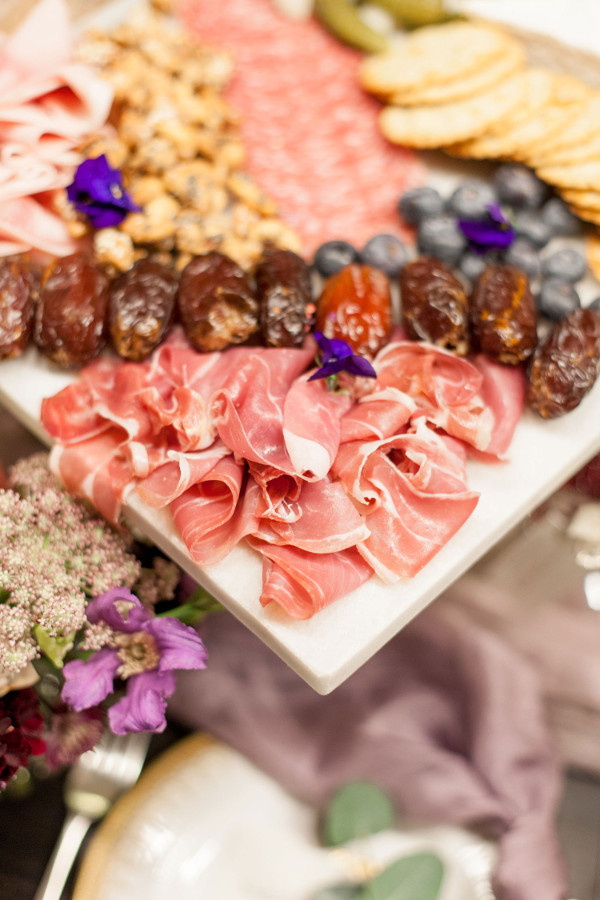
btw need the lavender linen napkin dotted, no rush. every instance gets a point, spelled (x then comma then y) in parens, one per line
(446, 718)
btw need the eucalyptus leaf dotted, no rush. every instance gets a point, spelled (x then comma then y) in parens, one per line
(346, 890)
(415, 877)
(356, 810)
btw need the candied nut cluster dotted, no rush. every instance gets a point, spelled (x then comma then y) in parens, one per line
(177, 142)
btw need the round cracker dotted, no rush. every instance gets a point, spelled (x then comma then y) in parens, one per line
(584, 199)
(587, 215)
(432, 55)
(581, 128)
(577, 176)
(448, 123)
(466, 85)
(572, 153)
(592, 252)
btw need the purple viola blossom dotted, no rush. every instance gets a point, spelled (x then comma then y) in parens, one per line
(338, 356)
(145, 653)
(97, 191)
(492, 233)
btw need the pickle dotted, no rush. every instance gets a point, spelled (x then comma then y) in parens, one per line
(341, 18)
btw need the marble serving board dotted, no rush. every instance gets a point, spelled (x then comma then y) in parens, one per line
(328, 648)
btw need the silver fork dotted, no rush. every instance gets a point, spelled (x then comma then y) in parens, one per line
(93, 784)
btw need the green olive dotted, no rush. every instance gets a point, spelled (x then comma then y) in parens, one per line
(415, 13)
(341, 18)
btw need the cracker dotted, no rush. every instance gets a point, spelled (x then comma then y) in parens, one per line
(584, 199)
(587, 215)
(578, 176)
(582, 128)
(448, 123)
(466, 85)
(592, 252)
(572, 153)
(432, 55)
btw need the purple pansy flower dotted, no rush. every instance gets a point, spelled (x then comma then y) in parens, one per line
(145, 652)
(97, 191)
(338, 356)
(492, 233)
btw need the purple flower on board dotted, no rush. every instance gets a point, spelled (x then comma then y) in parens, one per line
(97, 191)
(338, 356)
(144, 652)
(491, 233)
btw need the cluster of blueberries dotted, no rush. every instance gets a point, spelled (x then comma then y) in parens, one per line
(534, 218)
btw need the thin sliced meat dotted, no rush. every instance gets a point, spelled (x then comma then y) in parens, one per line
(304, 583)
(178, 473)
(311, 426)
(503, 392)
(25, 221)
(378, 415)
(279, 493)
(311, 133)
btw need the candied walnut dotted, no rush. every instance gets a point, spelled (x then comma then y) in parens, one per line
(356, 306)
(217, 306)
(503, 315)
(114, 248)
(245, 188)
(156, 223)
(142, 303)
(145, 188)
(70, 319)
(18, 294)
(564, 368)
(284, 294)
(434, 305)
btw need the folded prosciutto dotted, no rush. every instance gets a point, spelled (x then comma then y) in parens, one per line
(48, 106)
(329, 488)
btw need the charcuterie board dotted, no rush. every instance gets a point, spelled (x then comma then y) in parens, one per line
(328, 648)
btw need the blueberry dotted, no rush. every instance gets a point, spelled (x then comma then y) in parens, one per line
(440, 237)
(332, 256)
(472, 265)
(530, 226)
(420, 203)
(559, 218)
(524, 256)
(557, 298)
(471, 199)
(566, 264)
(519, 187)
(385, 252)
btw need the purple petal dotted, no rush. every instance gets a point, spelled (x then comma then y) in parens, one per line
(487, 234)
(358, 365)
(89, 683)
(332, 368)
(102, 609)
(143, 707)
(496, 214)
(105, 217)
(179, 645)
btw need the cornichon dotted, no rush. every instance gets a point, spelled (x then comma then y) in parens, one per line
(342, 19)
(414, 13)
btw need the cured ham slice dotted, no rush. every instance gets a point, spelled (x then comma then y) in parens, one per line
(279, 493)
(311, 426)
(26, 222)
(177, 473)
(377, 415)
(301, 583)
(503, 392)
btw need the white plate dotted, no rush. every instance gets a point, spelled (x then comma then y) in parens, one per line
(328, 648)
(203, 822)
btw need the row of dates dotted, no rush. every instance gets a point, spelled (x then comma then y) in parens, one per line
(72, 310)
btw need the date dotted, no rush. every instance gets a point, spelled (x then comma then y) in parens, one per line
(70, 326)
(216, 302)
(284, 295)
(565, 367)
(435, 307)
(503, 315)
(18, 295)
(356, 306)
(142, 304)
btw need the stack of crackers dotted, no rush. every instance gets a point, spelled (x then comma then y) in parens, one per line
(465, 87)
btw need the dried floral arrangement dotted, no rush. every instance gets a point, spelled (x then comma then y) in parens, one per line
(93, 625)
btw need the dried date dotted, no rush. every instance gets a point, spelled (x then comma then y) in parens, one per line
(142, 303)
(284, 295)
(18, 294)
(356, 306)
(216, 302)
(435, 307)
(503, 315)
(71, 317)
(565, 367)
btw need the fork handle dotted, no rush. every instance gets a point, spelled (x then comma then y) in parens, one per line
(59, 865)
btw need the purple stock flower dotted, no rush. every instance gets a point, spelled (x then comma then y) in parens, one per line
(337, 356)
(491, 233)
(144, 653)
(97, 191)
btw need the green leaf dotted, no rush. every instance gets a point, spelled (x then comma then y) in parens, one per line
(343, 891)
(198, 605)
(54, 648)
(415, 877)
(357, 809)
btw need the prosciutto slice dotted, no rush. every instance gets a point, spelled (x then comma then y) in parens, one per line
(302, 584)
(311, 426)
(170, 479)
